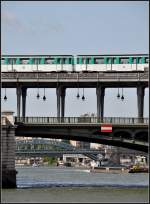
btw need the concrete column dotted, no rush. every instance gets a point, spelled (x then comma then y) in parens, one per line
(8, 152)
(24, 94)
(58, 101)
(140, 100)
(18, 92)
(100, 91)
(63, 93)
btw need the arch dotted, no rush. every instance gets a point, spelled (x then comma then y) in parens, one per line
(141, 136)
(123, 134)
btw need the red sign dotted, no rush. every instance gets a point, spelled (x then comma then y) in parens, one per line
(106, 128)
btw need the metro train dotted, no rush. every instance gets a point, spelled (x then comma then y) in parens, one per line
(70, 63)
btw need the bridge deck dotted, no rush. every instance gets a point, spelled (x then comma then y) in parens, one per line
(70, 80)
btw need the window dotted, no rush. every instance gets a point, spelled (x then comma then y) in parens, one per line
(130, 60)
(134, 60)
(2, 61)
(124, 61)
(56, 60)
(48, 61)
(137, 60)
(79, 60)
(102, 61)
(42, 61)
(31, 61)
(24, 61)
(92, 60)
(143, 60)
(110, 60)
(6, 61)
(18, 61)
(147, 60)
(117, 60)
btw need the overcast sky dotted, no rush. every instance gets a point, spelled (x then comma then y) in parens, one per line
(75, 28)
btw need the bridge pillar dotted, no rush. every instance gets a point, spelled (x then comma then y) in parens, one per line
(100, 91)
(18, 92)
(8, 151)
(24, 94)
(140, 100)
(58, 101)
(61, 92)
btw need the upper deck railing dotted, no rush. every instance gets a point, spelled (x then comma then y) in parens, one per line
(81, 120)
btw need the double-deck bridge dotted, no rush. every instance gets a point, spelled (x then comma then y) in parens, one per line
(130, 133)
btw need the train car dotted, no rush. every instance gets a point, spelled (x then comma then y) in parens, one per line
(33, 63)
(70, 63)
(103, 63)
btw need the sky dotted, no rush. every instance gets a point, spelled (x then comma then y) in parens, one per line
(92, 27)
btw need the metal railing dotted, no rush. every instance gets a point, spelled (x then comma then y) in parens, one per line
(80, 120)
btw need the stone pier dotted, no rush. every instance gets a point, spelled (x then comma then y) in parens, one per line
(8, 150)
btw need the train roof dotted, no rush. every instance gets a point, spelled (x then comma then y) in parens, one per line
(113, 55)
(49, 56)
(35, 56)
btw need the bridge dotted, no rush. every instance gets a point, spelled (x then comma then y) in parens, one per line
(43, 147)
(130, 133)
(61, 81)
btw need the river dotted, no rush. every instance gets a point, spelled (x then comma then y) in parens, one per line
(67, 184)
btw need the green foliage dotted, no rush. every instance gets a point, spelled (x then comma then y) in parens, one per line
(50, 160)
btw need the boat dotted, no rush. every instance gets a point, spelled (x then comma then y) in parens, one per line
(140, 165)
(35, 165)
(138, 169)
(109, 169)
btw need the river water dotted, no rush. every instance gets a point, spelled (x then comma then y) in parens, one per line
(67, 184)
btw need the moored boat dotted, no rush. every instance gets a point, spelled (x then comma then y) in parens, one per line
(138, 169)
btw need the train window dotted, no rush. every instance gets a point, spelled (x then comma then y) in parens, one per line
(97, 61)
(105, 60)
(92, 60)
(31, 61)
(37, 61)
(56, 60)
(80, 60)
(63, 61)
(68, 61)
(12, 61)
(24, 61)
(124, 61)
(18, 61)
(109, 61)
(143, 60)
(134, 60)
(117, 60)
(42, 61)
(6, 61)
(130, 60)
(2, 61)
(72, 60)
(48, 61)
(86, 61)
(101, 61)
(137, 60)
(147, 60)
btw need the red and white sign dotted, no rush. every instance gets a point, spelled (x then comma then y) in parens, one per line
(106, 128)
